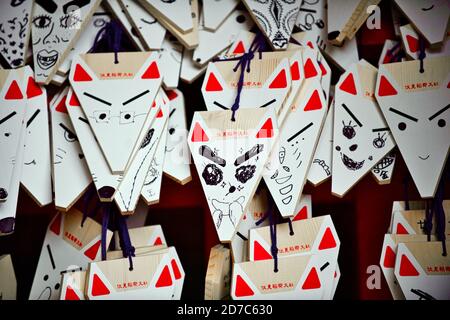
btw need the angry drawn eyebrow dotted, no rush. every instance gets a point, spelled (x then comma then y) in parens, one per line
(352, 115)
(407, 116)
(268, 103)
(51, 257)
(35, 114)
(439, 112)
(96, 98)
(300, 132)
(380, 129)
(172, 112)
(135, 97)
(68, 130)
(83, 119)
(249, 154)
(206, 152)
(220, 105)
(9, 116)
(48, 5)
(77, 3)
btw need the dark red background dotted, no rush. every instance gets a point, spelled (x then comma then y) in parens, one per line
(361, 217)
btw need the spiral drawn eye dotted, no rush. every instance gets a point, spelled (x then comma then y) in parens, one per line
(42, 21)
(69, 136)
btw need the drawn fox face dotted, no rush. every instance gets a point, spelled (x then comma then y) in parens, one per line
(418, 116)
(230, 163)
(116, 104)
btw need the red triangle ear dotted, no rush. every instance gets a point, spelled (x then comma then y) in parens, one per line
(413, 43)
(386, 89)
(448, 85)
(33, 90)
(259, 253)
(55, 227)
(309, 44)
(157, 242)
(310, 70)
(348, 85)
(160, 114)
(74, 100)
(176, 270)
(401, 229)
(14, 92)
(327, 241)
(81, 74)
(61, 107)
(295, 72)
(239, 48)
(164, 280)
(242, 288)
(213, 84)
(199, 135)
(322, 69)
(314, 102)
(389, 258)
(280, 81)
(407, 268)
(266, 130)
(91, 253)
(71, 294)
(98, 287)
(152, 72)
(302, 214)
(312, 281)
(171, 94)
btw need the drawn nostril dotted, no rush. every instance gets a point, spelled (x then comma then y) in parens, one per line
(353, 147)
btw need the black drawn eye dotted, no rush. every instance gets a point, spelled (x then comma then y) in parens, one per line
(46, 277)
(69, 136)
(353, 147)
(348, 131)
(402, 126)
(126, 117)
(57, 286)
(42, 21)
(441, 123)
(212, 175)
(101, 116)
(70, 20)
(240, 18)
(171, 131)
(245, 173)
(7, 134)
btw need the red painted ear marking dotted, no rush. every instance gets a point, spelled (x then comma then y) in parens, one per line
(280, 81)
(91, 253)
(295, 71)
(312, 281)
(164, 280)
(55, 227)
(157, 242)
(81, 74)
(413, 43)
(213, 84)
(327, 241)
(171, 94)
(71, 294)
(335, 274)
(242, 288)
(309, 44)
(386, 89)
(152, 72)
(259, 253)
(401, 229)
(266, 130)
(61, 107)
(322, 69)
(160, 114)
(14, 92)
(448, 85)
(389, 258)
(310, 70)
(314, 102)
(199, 134)
(74, 100)
(406, 268)
(98, 287)
(302, 214)
(348, 85)
(33, 90)
(176, 270)
(239, 48)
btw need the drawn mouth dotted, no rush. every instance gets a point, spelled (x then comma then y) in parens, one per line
(383, 164)
(47, 59)
(428, 9)
(31, 162)
(424, 158)
(351, 164)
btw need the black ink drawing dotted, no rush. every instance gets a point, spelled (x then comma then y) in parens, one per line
(153, 173)
(276, 18)
(310, 15)
(245, 173)
(212, 175)
(324, 166)
(227, 209)
(47, 293)
(422, 294)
